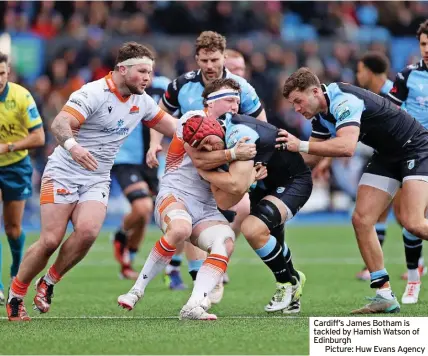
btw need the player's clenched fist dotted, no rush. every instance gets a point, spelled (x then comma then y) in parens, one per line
(82, 156)
(245, 151)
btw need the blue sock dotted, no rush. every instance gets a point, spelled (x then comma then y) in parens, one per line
(194, 266)
(272, 255)
(1, 262)
(378, 278)
(285, 249)
(178, 259)
(132, 254)
(267, 248)
(17, 249)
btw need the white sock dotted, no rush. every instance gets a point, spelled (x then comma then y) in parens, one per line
(385, 293)
(208, 276)
(421, 261)
(413, 275)
(159, 258)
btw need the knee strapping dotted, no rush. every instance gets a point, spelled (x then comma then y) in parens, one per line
(213, 239)
(176, 214)
(137, 194)
(267, 212)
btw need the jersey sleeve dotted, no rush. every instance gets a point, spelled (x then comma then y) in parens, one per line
(250, 102)
(399, 92)
(32, 117)
(319, 130)
(347, 110)
(235, 132)
(81, 104)
(153, 113)
(170, 97)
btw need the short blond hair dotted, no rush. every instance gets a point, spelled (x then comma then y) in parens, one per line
(210, 41)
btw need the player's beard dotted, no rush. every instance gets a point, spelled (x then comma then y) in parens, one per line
(134, 89)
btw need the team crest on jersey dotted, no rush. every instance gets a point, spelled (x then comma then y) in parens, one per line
(190, 75)
(411, 164)
(280, 190)
(134, 110)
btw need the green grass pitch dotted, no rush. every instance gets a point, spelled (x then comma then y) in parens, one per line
(85, 319)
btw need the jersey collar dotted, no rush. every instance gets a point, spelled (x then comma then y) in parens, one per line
(3, 95)
(113, 88)
(328, 116)
(199, 74)
(423, 65)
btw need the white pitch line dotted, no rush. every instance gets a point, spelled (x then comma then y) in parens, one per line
(157, 317)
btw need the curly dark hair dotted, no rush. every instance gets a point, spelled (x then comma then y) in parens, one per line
(300, 80)
(377, 62)
(217, 84)
(210, 41)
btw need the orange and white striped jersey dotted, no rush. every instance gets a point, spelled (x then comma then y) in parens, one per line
(106, 119)
(180, 173)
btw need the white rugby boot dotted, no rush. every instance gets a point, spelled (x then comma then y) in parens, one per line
(196, 311)
(411, 294)
(128, 300)
(282, 297)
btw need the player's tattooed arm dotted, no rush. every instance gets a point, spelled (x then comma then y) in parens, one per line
(63, 127)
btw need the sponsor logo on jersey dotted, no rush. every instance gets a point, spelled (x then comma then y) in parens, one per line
(62, 191)
(134, 110)
(411, 164)
(190, 75)
(77, 102)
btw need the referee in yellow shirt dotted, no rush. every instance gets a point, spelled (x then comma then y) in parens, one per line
(21, 128)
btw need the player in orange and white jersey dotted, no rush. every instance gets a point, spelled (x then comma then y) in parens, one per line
(75, 185)
(185, 208)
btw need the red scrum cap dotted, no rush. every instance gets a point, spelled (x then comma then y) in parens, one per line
(197, 128)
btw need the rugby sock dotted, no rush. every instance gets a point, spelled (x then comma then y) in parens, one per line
(288, 260)
(194, 267)
(1, 263)
(175, 264)
(17, 249)
(412, 250)
(379, 279)
(18, 289)
(381, 232)
(158, 259)
(121, 236)
(208, 276)
(132, 254)
(52, 276)
(271, 255)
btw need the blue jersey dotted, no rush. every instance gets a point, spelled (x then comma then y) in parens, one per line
(410, 90)
(386, 88)
(383, 125)
(132, 150)
(185, 94)
(281, 165)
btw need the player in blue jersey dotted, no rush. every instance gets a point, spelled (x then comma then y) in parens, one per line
(410, 91)
(342, 115)
(372, 74)
(138, 183)
(275, 200)
(185, 94)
